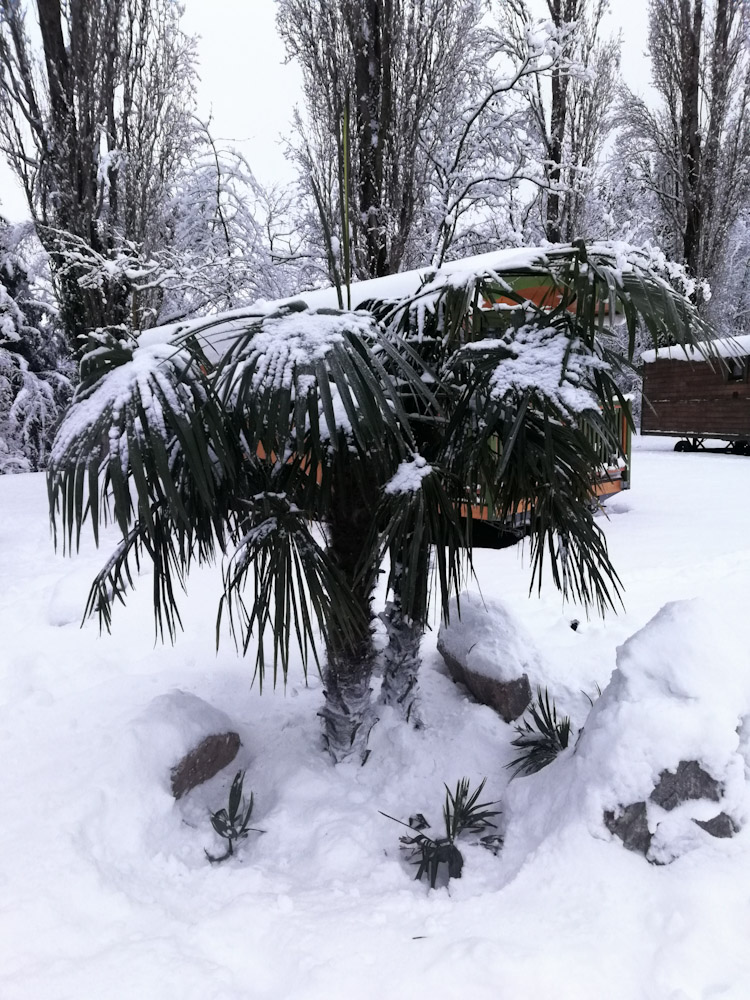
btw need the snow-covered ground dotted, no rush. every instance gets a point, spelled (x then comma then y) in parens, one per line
(105, 892)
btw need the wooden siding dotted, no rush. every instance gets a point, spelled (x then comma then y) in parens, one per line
(694, 399)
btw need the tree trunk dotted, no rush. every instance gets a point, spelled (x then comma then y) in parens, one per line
(348, 715)
(400, 687)
(368, 36)
(690, 129)
(401, 657)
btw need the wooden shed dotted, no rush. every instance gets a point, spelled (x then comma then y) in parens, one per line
(699, 393)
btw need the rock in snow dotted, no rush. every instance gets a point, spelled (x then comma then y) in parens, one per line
(689, 782)
(660, 762)
(490, 652)
(195, 740)
(673, 706)
(207, 759)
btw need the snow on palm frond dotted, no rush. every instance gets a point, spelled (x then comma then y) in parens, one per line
(531, 391)
(185, 453)
(144, 417)
(544, 361)
(306, 382)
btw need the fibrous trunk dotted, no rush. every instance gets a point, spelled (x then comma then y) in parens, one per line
(405, 627)
(401, 660)
(348, 715)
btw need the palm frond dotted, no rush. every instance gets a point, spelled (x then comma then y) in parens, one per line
(416, 512)
(540, 738)
(464, 812)
(310, 383)
(144, 430)
(294, 588)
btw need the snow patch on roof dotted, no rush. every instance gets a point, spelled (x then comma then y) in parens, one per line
(722, 347)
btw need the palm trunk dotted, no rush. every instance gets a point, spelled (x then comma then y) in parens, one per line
(348, 715)
(400, 687)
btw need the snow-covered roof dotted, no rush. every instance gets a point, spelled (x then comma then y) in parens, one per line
(723, 347)
(397, 286)
(620, 259)
(393, 286)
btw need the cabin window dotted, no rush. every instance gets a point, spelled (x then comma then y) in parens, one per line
(736, 369)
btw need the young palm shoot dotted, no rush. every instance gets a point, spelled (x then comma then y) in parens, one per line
(462, 813)
(232, 823)
(539, 739)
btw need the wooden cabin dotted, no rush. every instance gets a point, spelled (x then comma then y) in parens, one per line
(699, 393)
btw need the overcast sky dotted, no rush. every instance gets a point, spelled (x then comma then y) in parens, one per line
(250, 91)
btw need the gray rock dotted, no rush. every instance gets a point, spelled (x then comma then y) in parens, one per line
(510, 699)
(720, 826)
(488, 650)
(689, 781)
(631, 826)
(210, 756)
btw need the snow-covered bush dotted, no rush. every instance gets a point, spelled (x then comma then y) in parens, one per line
(35, 376)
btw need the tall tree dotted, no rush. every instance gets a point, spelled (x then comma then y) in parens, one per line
(570, 107)
(95, 131)
(693, 152)
(381, 78)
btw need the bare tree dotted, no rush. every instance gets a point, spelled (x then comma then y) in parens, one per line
(570, 107)
(480, 147)
(693, 152)
(95, 130)
(376, 75)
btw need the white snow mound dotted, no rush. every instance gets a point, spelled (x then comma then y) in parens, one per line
(171, 726)
(680, 692)
(490, 641)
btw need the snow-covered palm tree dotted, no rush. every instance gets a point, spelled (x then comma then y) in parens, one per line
(303, 446)
(531, 392)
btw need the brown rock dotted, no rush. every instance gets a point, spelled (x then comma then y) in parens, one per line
(207, 759)
(510, 699)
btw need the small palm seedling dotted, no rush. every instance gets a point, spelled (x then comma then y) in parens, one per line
(462, 812)
(232, 823)
(540, 738)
